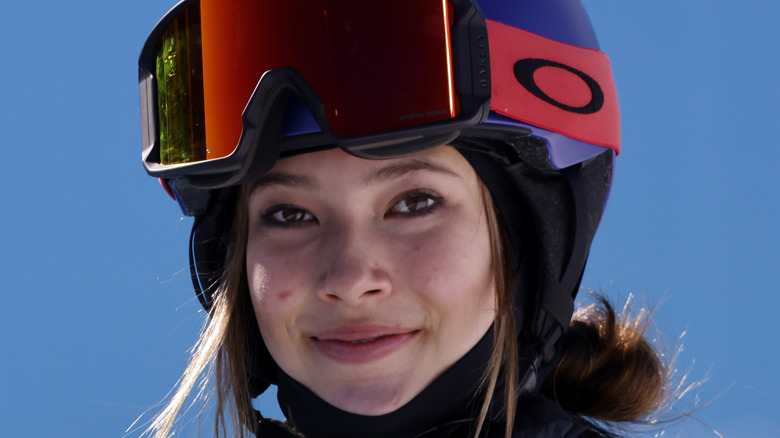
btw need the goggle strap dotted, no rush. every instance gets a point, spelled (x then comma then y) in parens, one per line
(581, 102)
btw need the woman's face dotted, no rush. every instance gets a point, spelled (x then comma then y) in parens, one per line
(369, 278)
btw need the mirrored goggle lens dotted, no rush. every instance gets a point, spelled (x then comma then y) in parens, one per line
(376, 67)
(179, 78)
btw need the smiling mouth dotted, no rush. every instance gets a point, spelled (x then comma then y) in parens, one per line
(365, 341)
(362, 350)
(353, 342)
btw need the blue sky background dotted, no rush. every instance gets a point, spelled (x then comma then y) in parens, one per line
(98, 311)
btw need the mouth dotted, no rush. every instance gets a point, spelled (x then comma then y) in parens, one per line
(365, 341)
(358, 346)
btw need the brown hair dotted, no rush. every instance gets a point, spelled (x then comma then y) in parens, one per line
(221, 347)
(504, 354)
(608, 371)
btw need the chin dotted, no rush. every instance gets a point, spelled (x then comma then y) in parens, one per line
(369, 401)
(369, 408)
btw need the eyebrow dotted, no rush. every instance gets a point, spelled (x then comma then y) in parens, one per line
(283, 179)
(398, 170)
(386, 173)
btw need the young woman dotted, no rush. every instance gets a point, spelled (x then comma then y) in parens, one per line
(393, 205)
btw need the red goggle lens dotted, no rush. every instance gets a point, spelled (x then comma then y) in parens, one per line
(376, 67)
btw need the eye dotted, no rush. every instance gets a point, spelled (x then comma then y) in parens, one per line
(287, 216)
(416, 204)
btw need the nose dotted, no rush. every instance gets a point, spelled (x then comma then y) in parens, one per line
(354, 267)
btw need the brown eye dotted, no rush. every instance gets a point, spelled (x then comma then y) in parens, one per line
(415, 204)
(287, 215)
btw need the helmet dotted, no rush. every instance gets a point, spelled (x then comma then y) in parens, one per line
(537, 117)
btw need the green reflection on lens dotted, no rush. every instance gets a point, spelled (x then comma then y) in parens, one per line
(179, 68)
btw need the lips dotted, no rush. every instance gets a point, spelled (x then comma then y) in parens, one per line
(360, 345)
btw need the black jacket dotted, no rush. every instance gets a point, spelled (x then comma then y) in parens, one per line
(445, 409)
(536, 418)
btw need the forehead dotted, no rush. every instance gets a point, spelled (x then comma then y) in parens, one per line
(336, 165)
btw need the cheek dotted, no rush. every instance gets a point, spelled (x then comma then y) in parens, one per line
(271, 278)
(450, 266)
(273, 282)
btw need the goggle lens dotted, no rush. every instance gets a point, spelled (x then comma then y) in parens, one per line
(179, 77)
(376, 67)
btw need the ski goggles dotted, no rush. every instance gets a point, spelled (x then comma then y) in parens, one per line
(230, 86)
(217, 76)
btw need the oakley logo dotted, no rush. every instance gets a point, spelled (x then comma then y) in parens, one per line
(524, 73)
(426, 114)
